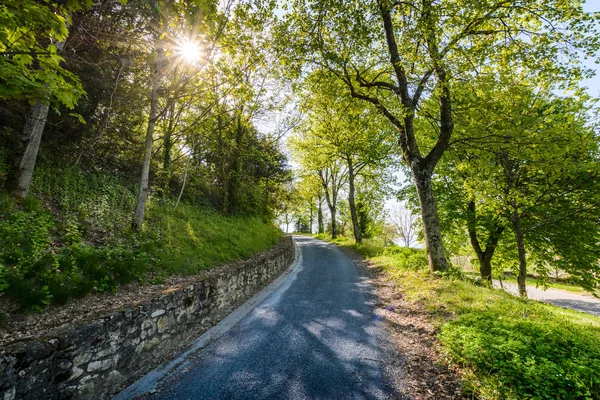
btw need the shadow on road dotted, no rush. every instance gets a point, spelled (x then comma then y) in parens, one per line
(317, 340)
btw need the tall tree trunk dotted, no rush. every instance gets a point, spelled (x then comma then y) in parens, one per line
(431, 224)
(522, 277)
(168, 142)
(320, 228)
(311, 205)
(140, 208)
(19, 181)
(168, 145)
(351, 203)
(331, 198)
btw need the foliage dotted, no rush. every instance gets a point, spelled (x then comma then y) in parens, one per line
(345, 147)
(394, 57)
(30, 64)
(523, 349)
(521, 151)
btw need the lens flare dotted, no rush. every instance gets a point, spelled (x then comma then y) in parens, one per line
(189, 51)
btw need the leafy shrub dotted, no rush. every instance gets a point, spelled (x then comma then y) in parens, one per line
(372, 247)
(99, 203)
(407, 258)
(522, 350)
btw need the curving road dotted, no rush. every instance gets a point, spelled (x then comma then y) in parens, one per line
(314, 337)
(562, 298)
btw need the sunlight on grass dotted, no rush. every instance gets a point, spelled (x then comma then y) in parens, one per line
(507, 347)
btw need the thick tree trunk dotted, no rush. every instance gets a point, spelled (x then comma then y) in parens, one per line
(522, 277)
(485, 266)
(431, 224)
(483, 255)
(321, 228)
(19, 180)
(140, 209)
(334, 232)
(351, 202)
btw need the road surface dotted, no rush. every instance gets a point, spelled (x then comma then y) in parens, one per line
(315, 337)
(562, 298)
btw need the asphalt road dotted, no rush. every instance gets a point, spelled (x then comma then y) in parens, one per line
(315, 338)
(562, 298)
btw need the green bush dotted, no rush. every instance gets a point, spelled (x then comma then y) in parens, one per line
(408, 258)
(100, 204)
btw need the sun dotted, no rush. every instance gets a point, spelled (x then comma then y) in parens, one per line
(189, 51)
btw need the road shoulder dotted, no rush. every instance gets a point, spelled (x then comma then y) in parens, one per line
(412, 362)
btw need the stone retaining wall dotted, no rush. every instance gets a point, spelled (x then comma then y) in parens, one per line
(94, 359)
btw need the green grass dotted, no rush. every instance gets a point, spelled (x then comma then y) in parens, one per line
(193, 239)
(75, 238)
(507, 347)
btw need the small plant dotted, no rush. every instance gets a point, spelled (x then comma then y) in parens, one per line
(105, 285)
(44, 300)
(3, 283)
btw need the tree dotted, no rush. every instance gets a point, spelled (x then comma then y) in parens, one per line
(405, 224)
(424, 49)
(524, 160)
(165, 52)
(333, 176)
(31, 46)
(33, 38)
(342, 129)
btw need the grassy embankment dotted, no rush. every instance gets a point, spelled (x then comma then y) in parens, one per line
(73, 237)
(507, 347)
